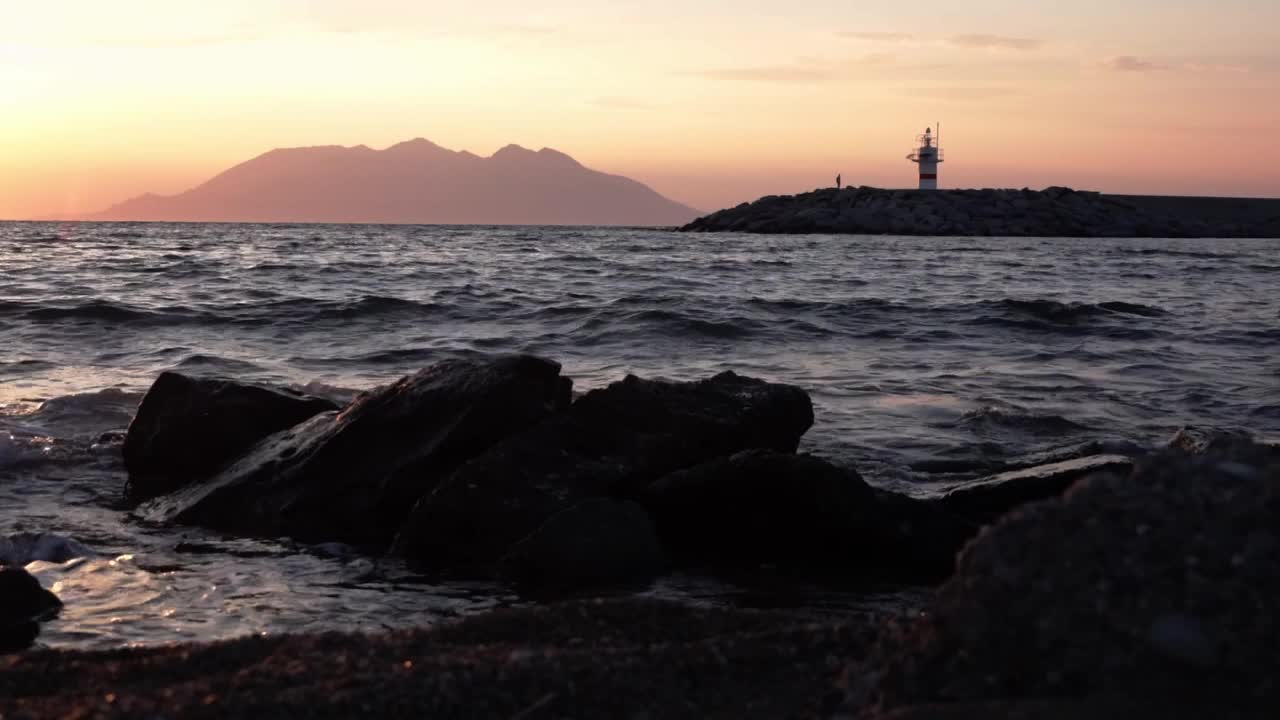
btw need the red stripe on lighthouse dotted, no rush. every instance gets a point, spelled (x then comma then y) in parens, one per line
(928, 176)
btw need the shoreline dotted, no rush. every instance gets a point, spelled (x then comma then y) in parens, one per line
(1053, 212)
(584, 658)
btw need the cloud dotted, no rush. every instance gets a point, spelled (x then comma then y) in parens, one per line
(975, 41)
(1130, 63)
(525, 29)
(614, 102)
(783, 74)
(1214, 67)
(889, 37)
(804, 70)
(962, 93)
(994, 42)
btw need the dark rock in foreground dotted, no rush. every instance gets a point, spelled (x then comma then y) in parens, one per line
(761, 508)
(1054, 212)
(188, 428)
(353, 476)
(24, 604)
(611, 442)
(1163, 584)
(593, 543)
(624, 658)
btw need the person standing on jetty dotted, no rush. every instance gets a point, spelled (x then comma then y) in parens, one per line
(837, 181)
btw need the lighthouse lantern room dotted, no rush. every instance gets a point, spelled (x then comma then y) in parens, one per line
(927, 155)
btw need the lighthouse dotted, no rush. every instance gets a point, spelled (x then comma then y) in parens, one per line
(927, 155)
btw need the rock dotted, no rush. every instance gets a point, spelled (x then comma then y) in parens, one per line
(1201, 440)
(985, 500)
(188, 428)
(352, 477)
(596, 542)
(799, 513)
(612, 442)
(23, 605)
(762, 507)
(1163, 584)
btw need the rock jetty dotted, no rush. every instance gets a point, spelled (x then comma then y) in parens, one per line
(1053, 212)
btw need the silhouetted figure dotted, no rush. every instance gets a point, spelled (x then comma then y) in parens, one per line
(837, 181)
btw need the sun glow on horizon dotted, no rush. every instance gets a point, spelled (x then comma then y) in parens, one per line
(710, 104)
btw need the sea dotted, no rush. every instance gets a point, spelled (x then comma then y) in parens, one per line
(925, 357)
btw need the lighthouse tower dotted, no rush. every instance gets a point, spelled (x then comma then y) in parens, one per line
(927, 155)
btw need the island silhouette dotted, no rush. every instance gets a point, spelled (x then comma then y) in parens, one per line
(411, 182)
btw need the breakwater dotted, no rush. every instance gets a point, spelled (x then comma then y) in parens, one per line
(1053, 212)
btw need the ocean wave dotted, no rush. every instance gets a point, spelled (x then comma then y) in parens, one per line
(204, 362)
(852, 307)
(398, 356)
(81, 415)
(1170, 252)
(23, 548)
(1069, 312)
(366, 306)
(991, 418)
(16, 450)
(92, 310)
(1055, 315)
(290, 309)
(687, 325)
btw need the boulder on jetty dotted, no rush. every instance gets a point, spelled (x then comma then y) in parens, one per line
(353, 476)
(24, 604)
(611, 442)
(188, 428)
(1162, 584)
(1053, 212)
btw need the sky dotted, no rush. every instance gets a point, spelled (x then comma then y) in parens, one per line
(711, 102)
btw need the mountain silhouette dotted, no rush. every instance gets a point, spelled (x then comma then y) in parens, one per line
(411, 182)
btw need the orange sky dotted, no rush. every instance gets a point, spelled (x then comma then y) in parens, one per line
(711, 102)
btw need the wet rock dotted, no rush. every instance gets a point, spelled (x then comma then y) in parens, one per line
(596, 542)
(1162, 584)
(762, 508)
(612, 442)
(352, 477)
(799, 513)
(985, 500)
(188, 428)
(23, 605)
